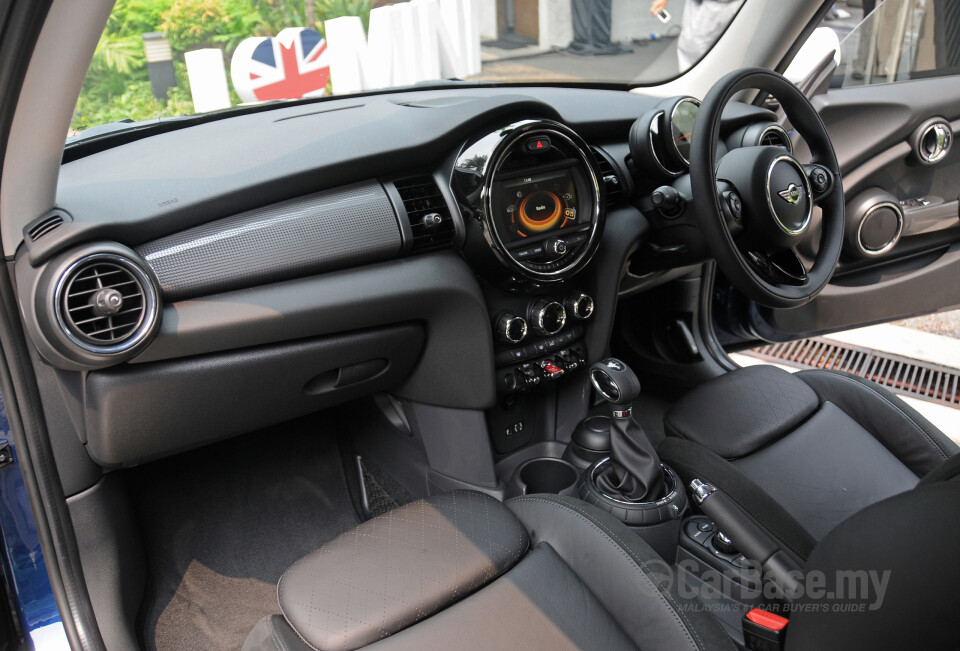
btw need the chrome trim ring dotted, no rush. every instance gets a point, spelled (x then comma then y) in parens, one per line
(783, 132)
(523, 329)
(542, 312)
(806, 188)
(944, 135)
(651, 135)
(557, 133)
(670, 480)
(896, 238)
(673, 112)
(151, 305)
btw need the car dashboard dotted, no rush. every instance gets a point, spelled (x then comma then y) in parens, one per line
(458, 247)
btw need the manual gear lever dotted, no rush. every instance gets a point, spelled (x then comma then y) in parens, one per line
(634, 472)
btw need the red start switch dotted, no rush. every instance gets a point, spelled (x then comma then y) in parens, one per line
(551, 369)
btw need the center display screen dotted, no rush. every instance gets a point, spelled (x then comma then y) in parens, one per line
(535, 205)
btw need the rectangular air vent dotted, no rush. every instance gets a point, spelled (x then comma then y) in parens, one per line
(609, 177)
(427, 211)
(44, 225)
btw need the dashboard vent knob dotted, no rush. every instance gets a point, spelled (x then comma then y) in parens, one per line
(106, 303)
(427, 212)
(612, 184)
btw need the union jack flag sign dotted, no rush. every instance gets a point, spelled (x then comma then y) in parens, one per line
(290, 66)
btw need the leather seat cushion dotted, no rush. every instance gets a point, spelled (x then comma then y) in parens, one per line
(399, 568)
(742, 411)
(539, 604)
(826, 470)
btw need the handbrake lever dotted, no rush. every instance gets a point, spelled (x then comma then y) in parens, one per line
(752, 541)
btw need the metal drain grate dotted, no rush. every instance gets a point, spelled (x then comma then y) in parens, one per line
(902, 375)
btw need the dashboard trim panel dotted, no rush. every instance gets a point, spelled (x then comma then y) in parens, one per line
(341, 227)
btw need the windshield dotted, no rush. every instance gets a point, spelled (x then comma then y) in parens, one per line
(168, 58)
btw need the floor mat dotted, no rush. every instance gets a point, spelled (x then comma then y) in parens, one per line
(221, 524)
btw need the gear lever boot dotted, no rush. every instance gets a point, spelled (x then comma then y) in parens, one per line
(634, 472)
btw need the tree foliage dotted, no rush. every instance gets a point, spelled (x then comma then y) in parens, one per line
(117, 85)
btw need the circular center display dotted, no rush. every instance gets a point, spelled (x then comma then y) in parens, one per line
(540, 211)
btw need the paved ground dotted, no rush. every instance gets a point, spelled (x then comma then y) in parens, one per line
(945, 323)
(934, 338)
(651, 58)
(532, 64)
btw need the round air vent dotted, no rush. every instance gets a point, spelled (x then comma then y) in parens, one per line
(106, 303)
(775, 136)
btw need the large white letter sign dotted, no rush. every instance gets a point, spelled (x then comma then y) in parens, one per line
(290, 66)
(421, 40)
(208, 80)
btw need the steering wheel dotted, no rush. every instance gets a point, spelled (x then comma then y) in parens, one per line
(755, 206)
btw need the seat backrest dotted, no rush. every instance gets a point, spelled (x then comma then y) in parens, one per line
(887, 577)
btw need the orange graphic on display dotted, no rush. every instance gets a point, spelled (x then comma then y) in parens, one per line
(545, 223)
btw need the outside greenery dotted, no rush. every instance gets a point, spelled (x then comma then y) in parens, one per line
(117, 85)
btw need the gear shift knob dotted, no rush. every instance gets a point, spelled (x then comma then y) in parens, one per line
(634, 472)
(615, 381)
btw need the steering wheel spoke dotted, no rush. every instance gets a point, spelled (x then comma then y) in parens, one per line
(780, 267)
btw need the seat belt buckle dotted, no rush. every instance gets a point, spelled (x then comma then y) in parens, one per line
(764, 631)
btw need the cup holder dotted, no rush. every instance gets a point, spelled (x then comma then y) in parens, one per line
(547, 475)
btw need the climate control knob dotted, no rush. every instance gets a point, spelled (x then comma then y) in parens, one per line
(579, 306)
(546, 317)
(510, 328)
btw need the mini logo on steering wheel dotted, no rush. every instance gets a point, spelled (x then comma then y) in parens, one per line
(791, 194)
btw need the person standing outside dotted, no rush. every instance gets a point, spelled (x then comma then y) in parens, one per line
(702, 24)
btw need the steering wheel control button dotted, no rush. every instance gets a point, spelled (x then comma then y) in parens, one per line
(734, 204)
(538, 144)
(510, 328)
(579, 306)
(547, 317)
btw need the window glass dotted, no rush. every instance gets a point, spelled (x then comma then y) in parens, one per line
(900, 40)
(167, 58)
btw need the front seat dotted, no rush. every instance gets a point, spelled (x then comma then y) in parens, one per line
(462, 570)
(800, 453)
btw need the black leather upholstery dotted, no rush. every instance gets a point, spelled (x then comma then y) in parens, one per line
(588, 583)
(397, 569)
(628, 577)
(826, 470)
(903, 431)
(742, 411)
(856, 445)
(896, 565)
(693, 461)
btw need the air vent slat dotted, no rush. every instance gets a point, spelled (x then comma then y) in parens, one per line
(609, 177)
(44, 226)
(421, 197)
(122, 302)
